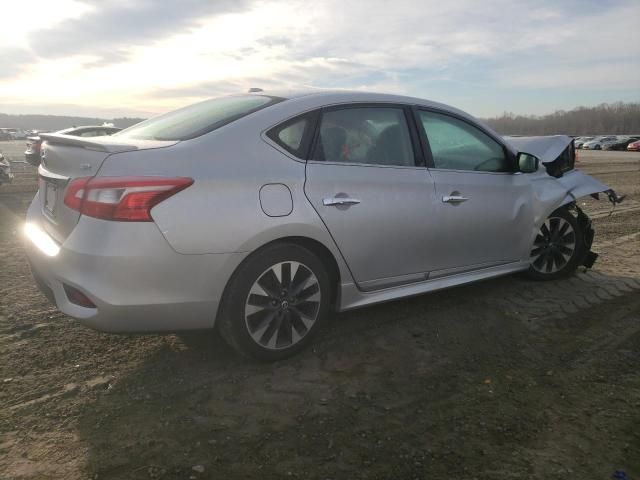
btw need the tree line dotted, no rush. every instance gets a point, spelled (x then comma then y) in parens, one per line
(58, 122)
(605, 119)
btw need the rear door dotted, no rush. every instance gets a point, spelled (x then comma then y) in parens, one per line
(483, 210)
(367, 182)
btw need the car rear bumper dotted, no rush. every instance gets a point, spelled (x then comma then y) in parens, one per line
(132, 276)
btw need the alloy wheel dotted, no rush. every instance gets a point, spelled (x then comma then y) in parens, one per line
(282, 305)
(554, 246)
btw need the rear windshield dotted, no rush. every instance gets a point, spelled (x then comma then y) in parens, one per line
(195, 120)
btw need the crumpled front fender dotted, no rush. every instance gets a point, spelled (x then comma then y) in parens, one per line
(579, 184)
(562, 185)
(557, 184)
(550, 193)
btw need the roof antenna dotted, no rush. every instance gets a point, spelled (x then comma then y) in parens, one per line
(255, 90)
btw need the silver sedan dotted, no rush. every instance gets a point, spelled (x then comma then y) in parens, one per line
(259, 214)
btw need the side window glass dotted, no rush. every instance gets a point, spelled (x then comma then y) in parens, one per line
(369, 135)
(456, 145)
(89, 133)
(291, 135)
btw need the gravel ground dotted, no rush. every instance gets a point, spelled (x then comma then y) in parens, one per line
(504, 379)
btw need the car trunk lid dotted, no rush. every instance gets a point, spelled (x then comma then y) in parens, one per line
(65, 158)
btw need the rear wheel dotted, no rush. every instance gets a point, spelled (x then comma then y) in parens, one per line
(558, 247)
(275, 302)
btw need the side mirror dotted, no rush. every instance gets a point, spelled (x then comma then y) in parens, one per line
(527, 163)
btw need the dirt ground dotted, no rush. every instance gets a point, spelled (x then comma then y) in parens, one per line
(504, 379)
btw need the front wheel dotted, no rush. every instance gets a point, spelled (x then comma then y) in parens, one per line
(558, 248)
(275, 302)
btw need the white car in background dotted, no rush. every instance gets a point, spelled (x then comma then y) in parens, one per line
(599, 142)
(579, 141)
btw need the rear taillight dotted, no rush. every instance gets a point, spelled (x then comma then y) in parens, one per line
(125, 199)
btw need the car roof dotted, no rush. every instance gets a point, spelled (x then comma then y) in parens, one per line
(326, 97)
(339, 95)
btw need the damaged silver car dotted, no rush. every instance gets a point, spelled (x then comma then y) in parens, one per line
(259, 214)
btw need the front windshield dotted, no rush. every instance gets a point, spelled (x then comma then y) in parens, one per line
(198, 119)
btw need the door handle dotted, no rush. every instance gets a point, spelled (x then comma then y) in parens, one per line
(454, 199)
(336, 201)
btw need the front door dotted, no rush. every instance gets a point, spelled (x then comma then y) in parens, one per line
(365, 182)
(483, 210)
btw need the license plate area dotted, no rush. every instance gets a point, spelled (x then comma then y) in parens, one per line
(50, 197)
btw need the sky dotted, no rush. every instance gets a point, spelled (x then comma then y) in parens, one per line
(143, 57)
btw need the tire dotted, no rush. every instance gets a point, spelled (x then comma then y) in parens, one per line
(559, 247)
(275, 303)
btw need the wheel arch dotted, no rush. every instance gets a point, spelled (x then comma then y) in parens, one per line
(323, 252)
(325, 255)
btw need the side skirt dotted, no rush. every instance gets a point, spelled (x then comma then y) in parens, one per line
(351, 297)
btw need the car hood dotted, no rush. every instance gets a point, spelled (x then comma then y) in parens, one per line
(547, 149)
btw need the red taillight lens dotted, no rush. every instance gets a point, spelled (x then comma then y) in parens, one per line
(125, 199)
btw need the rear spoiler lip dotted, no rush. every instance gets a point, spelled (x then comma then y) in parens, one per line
(59, 139)
(104, 144)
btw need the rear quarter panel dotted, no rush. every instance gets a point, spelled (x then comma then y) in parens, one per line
(221, 211)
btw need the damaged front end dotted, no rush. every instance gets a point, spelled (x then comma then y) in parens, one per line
(559, 184)
(589, 257)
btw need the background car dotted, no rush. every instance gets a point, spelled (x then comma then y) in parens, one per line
(579, 141)
(620, 143)
(32, 154)
(634, 146)
(5, 134)
(598, 142)
(5, 170)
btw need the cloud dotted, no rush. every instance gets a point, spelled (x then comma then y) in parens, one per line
(204, 89)
(13, 60)
(106, 58)
(607, 75)
(117, 25)
(153, 56)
